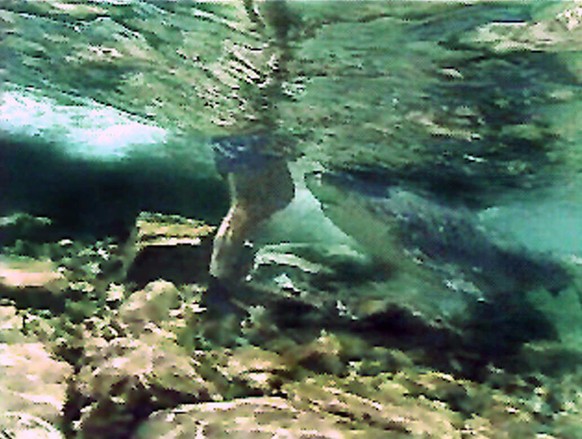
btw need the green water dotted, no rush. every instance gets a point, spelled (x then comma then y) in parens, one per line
(434, 148)
(445, 99)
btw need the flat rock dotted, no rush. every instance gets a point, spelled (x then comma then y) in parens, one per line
(169, 247)
(31, 282)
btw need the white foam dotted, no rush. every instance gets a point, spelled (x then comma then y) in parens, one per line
(86, 128)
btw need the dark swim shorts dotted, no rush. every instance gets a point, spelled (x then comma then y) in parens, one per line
(243, 153)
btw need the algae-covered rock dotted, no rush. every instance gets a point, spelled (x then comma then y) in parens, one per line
(21, 225)
(169, 247)
(412, 403)
(323, 355)
(376, 403)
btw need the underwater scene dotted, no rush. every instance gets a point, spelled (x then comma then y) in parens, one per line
(290, 219)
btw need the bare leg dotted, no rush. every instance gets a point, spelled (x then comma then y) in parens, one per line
(256, 195)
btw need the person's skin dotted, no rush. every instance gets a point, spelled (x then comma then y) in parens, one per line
(256, 191)
(254, 198)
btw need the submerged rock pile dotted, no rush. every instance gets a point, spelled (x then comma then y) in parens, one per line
(118, 359)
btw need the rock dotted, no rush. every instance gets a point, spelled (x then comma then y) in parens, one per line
(411, 403)
(114, 294)
(375, 404)
(251, 371)
(323, 355)
(21, 425)
(32, 283)
(345, 352)
(159, 366)
(161, 308)
(169, 247)
(153, 304)
(33, 387)
(11, 324)
(378, 360)
(258, 417)
(127, 379)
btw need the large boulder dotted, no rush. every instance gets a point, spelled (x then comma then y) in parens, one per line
(383, 408)
(33, 390)
(128, 378)
(133, 362)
